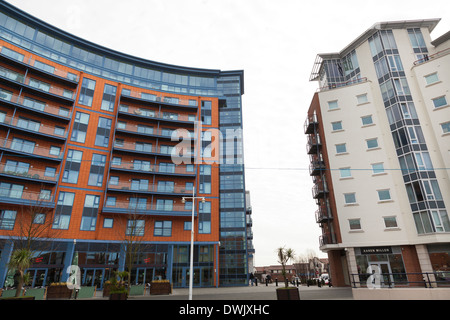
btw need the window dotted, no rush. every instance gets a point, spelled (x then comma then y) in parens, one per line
(345, 172)
(206, 112)
(89, 216)
(395, 64)
(80, 127)
(97, 170)
(22, 145)
(103, 132)
(341, 148)
(333, 105)
(164, 205)
(440, 220)
(377, 168)
(87, 92)
(445, 127)
(28, 124)
(50, 172)
(355, 224)
(416, 38)
(135, 228)
(144, 147)
(73, 164)
(137, 204)
(431, 190)
(16, 167)
(401, 86)
(204, 221)
(10, 190)
(109, 96)
(372, 143)
(367, 120)
(408, 110)
(39, 218)
(111, 201)
(336, 125)
(390, 222)
(139, 184)
(54, 151)
(384, 195)
(166, 186)
(205, 179)
(439, 102)
(431, 78)
(7, 219)
(108, 223)
(415, 134)
(63, 210)
(350, 198)
(163, 229)
(362, 98)
(423, 161)
(12, 54)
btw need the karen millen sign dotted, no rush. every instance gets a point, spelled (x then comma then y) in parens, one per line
(376, 250)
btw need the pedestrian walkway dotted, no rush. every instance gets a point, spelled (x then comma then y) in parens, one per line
(260, 292)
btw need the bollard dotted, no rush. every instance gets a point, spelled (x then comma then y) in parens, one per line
(276, 282)
(256, 281)
(267, 281)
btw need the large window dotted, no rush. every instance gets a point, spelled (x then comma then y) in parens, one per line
(7, 219)
(135, 228)
(63, 210)
(80, 127)
(109, 96)
(103, 132)
(72, 168)
(163, 229)
(89, 217)
(87, 92)
(97, 170)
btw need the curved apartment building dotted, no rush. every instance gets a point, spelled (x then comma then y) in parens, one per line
(379, 140)
(97, 150)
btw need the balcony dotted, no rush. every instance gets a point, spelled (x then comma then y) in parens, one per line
(323, 214)
(164, 133)
(28, 148)
(33, 127)
(131, 207)
(319, 191)
(160, 99)
(142, 113)
(38, 107)
(311, 124)
(29, 198)
(314, 144)
(148, 149)
(40, 67)
(161, 169)
(30, 174)
(336, 85)
(142, 186)
(37, 86)
(316, 168)
(432, 57)
(327, 238)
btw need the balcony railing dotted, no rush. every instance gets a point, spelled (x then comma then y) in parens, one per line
(152, 114)
(148, 148)
(401, 280)
(326, 239)
(131, 207)
(49, 69)
(36, 84)
(144, 187)
(20, 147)
(29, 198)
(44, 107)
(34, 126)
(323, 213)
(310, 124)
(313, 144)
(336, 85)
(150, 131)
(433, 56)
(154, 168)
(29, 173)
(160, 99)
(316, 168)
(319, 190)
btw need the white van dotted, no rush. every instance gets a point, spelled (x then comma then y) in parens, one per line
(325, 277)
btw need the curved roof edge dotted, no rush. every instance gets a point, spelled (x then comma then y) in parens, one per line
(26, 17)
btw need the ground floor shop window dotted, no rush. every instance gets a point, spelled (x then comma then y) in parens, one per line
(440, 261)
(387, 260)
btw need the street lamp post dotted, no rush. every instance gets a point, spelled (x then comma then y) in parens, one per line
(191, 267)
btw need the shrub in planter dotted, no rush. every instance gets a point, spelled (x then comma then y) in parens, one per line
(117, 289)
(160, 287)
(59, 290)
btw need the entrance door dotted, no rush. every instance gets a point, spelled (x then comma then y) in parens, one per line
(37, 277)
(93, 277)
(196, 281)
(385, 275)
(144, 275)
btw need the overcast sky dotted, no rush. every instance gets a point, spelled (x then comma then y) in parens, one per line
(275, 42)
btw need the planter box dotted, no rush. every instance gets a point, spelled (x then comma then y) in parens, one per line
(160, 288)
(118, 296)
(59, 292)
(289, 293)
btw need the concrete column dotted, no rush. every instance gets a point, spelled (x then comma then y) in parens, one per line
(425, 263)
(352, 266)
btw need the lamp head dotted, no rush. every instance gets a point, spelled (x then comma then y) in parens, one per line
(183, 200)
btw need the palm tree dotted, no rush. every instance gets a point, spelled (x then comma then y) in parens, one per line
(21, 261)
(284, 255)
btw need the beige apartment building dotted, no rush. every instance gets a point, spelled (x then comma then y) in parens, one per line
(378, 138)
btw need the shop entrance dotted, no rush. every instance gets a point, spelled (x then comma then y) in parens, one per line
(385, 274)
(93, 277)
(38, 277)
